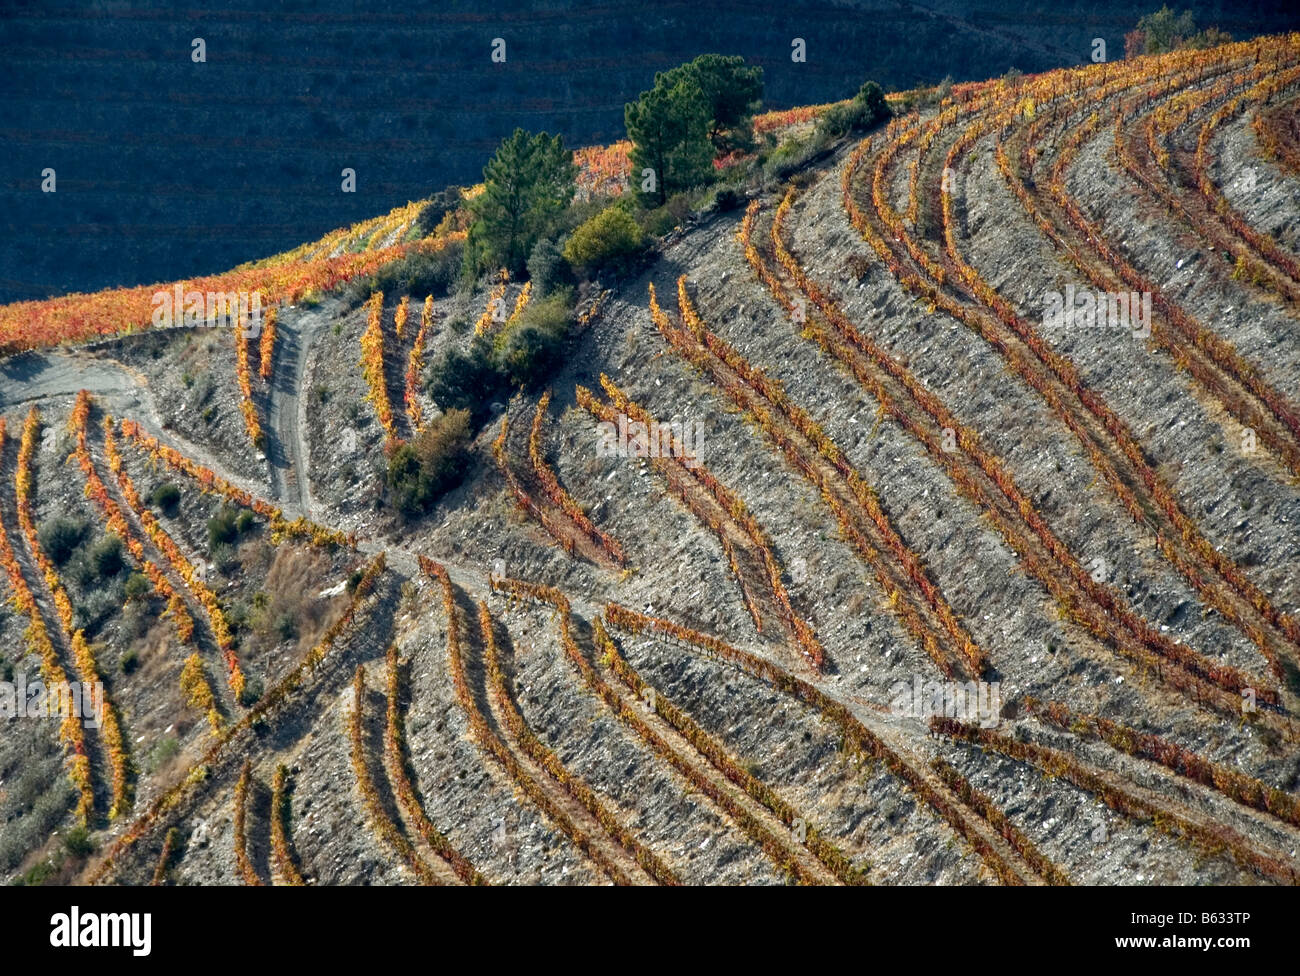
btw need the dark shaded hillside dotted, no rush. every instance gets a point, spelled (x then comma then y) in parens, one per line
(169, 169)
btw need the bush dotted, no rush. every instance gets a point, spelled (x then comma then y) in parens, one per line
(137, 587)
(108, 556)
(418, 273)
(609, 241)
(429, 465)
(223, 528)
(225, 558)
(60, 537)
(245, 522)
(130, 661)
(464, 380)
(793, 155)
(166, 498)
(95, 609)
(858, 114)
(547, 269)
(167, 748)
(77, 842)
(728, 198)
(80, 570)
(531, 349)
(354, 579)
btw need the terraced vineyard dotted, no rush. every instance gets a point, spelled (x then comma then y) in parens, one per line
(849, 544)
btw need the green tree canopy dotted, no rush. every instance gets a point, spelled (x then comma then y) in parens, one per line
(732, 94)
(669, 129)
(694, 112)
(526, 186)
(1166, 30)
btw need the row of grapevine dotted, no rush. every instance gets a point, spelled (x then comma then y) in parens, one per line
(986, 808)
(1212, 347)
(677, 489)
(1243, 789)
(1261, 242)
(1224, 356)
(592, 311)
(1059, 365)
(1278, 134)
(734, 506)
(525, 501)
(777, 846)
(117, 523)
(401, 315)
(163, 541)
(540, 753)
(415, 369)
(243, 863)
(281, 835)
(1253, 85)
(555, 491)
(83, 655)
(266, 346)
(603, 170)
(747, 385)
(1053, 763)
(210, 481)
(1092, 605)
(399, 774)
(120, 311)
(170, 845)
(494, 308)
(380, 819)
(247, 406)
(372, 367)
(490, 742)
(195, 688)
(236, 737)
(857, 738)
(38, 642)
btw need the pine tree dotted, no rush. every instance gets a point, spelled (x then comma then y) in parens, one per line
(526, 186)
(669, 130)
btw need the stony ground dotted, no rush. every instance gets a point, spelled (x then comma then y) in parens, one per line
(327, 463)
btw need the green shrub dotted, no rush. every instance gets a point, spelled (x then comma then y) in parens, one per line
(418, 273)
(858, 114)
(108, 556)
(429, 465)
(137, 587)
(245, 521)
(354, 579)
(166, 498)
(465, 380)
(225, 558)
(167, 748)
(130, 661)
(61, 536)
(95, 609)
(77, 842)
(547, 269)
(531, 348)
(791, 156)
(610, 241)
(223, 528)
